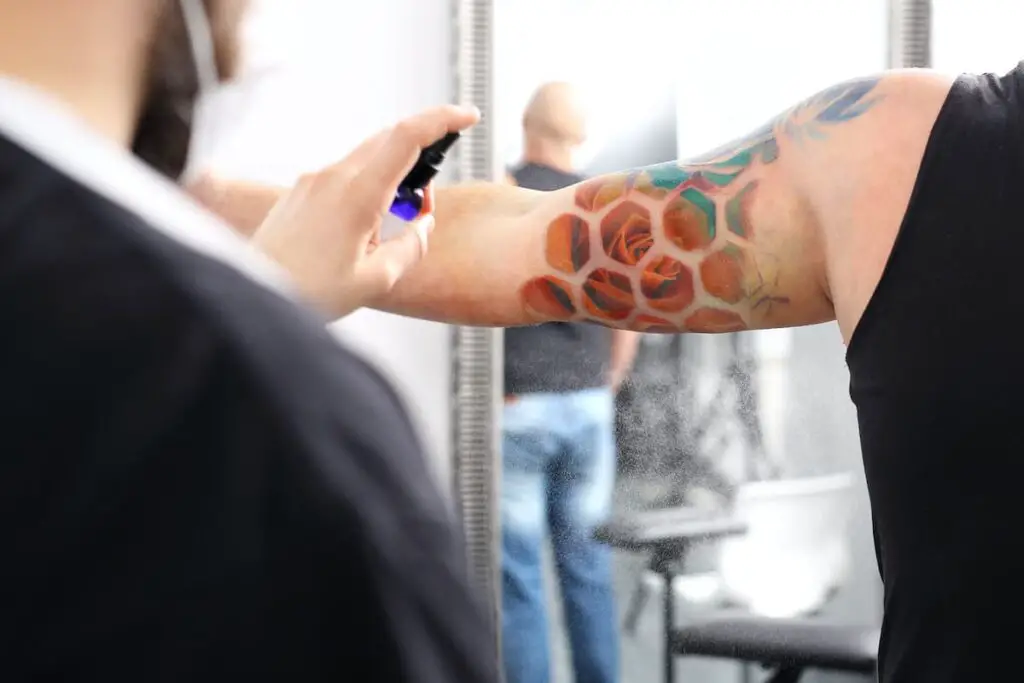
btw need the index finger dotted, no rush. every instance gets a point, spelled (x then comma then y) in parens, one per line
(403, 146)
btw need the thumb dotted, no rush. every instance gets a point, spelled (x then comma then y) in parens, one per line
(392, 258)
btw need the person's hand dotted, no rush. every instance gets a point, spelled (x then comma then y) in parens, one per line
(624, 349)
(616, 380)
(326, 230)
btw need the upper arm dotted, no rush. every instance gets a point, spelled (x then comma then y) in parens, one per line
(728, 241)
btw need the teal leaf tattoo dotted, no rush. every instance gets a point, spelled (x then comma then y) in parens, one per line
(720, 179)
(815, 133)
(809, 120)
(770, 150)
(839, 104)
(846, 101)
(668, 176)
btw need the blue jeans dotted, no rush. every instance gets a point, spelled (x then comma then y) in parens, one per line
(558, 477)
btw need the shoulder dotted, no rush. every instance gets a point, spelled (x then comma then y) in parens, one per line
(855, 142)
(110, 311)
(136, 358)
(853, 153)
(83, 277)
(152, 336)
(861, 123)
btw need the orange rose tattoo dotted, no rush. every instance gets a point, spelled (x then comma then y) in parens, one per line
(608, 295)
(738, 210)
(723, 274)
(667, 285)
(715, 320)
(548, 298)
(689, 220)
(626, 233)
(654, 324)
(662, 249)
(596, 194)
(568, 247)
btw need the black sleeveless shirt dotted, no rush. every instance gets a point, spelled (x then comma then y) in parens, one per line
(937, 374)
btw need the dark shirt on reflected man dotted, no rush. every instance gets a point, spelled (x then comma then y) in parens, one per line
(554, 357)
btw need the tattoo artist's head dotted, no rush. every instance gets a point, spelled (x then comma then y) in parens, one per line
(554, 126)
(125, 66)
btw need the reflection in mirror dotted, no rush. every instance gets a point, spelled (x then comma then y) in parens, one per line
(728, 462)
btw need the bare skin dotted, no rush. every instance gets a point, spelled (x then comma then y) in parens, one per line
(789, 226)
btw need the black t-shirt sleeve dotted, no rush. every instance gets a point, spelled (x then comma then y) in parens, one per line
(198, 484)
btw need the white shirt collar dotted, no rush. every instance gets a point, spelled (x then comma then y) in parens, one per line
(54, 134)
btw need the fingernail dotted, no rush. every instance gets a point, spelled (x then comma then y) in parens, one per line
(424, 227)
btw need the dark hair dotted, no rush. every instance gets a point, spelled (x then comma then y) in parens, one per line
(164, 129)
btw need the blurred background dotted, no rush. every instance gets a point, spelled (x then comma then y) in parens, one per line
(660, 79)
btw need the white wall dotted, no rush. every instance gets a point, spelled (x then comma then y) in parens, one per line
(977, 36)
(321, 76)
(614, 58)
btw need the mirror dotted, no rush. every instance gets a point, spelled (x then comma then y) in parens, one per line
(976, 37)
(757, 425)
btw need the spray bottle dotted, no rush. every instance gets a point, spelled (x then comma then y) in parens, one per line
(408, 202)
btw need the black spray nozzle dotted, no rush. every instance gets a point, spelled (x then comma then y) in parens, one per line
(434, 154)
(429, 163)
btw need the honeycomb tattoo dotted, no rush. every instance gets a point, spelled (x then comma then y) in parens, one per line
(674, 247)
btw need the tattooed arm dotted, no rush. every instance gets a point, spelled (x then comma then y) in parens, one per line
(724, 242)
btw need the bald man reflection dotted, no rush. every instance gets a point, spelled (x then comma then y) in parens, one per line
(558, 445)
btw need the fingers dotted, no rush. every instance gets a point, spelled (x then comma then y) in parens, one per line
(411, 135)
(386, 264)
(325, 229)
(396, 157)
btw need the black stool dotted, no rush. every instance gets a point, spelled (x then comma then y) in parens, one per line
(667, 535)
(787, 646)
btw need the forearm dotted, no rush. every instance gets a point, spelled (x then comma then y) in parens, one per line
(633, 250)
(485, 241)
(243, 205)
(659, 250)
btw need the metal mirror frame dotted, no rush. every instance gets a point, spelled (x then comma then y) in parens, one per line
(476, 367)
(910, 34)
